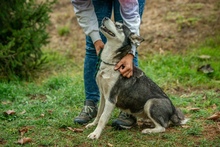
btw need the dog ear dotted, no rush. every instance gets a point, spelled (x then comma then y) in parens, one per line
(136, 39)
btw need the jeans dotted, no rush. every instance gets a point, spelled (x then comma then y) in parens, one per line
(103, 8)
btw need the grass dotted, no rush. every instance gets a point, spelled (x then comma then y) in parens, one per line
(183, 66)
(64, 30)
(46, 107)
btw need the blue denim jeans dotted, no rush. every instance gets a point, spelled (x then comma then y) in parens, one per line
(103, 8)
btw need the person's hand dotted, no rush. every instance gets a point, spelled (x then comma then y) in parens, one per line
(125, 66)
(98, 46)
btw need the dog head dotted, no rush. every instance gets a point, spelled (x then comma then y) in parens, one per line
(119, 36)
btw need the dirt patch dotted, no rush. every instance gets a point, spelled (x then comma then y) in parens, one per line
(175, 25)
(73, 43)
(166, 25)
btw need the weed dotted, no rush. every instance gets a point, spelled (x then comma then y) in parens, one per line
(184, 22)
(197, 6)
(195, 130)
(63, 31)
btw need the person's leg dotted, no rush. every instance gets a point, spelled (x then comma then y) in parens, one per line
(103, 8)
(124, 120)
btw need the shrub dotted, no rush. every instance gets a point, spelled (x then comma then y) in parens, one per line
(22, 34)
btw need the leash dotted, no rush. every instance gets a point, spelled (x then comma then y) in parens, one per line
(99, 62)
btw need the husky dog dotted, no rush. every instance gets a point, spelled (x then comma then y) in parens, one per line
(137, 95)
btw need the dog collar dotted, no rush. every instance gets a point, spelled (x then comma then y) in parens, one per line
(111, 64)
(99, 62)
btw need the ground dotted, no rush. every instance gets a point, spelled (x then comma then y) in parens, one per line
(166, 25)
(43, 110)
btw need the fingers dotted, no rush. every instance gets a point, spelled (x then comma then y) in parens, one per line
(98, 46)
(119, 65)
(126, 71)
(125, 66)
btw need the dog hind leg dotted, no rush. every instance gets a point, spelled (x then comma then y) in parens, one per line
(109, 107)
(158, 111)
(158, 128)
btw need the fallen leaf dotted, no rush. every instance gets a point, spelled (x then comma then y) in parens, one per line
(23, 130)
(23, 112)
(214, 117)
(77, 130)
(110, 145)
(70, 128)
(6, 102)
(50, 111)
(194, 109)
(10, 112)
(206, 69)
(24, 140)
(214, 106)
(185, 126)
(204, 57)
(161, 51)
(204, 97)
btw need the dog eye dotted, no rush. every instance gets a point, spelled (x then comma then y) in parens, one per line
(118, 25)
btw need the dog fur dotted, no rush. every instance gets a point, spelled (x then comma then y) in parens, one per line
(137, 95)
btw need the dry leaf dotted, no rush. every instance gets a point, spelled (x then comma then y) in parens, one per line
(185, 126)
(70, 128)
(23, 130)
(161, 51)
(77, 130)
(204, 97)
(204, 57)
(10, 112)
(23, 112)
(194, 109)
(207, 69)
(214, 106)
(110, 145)
(24, 140)
(6, 102)
(214, 117)
(50, 111)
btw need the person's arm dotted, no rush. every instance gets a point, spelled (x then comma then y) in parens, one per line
(86, 18)
(131, 18)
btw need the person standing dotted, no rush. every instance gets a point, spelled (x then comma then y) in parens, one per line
(90, 14)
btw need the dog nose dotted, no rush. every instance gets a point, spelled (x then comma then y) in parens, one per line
(105, 18)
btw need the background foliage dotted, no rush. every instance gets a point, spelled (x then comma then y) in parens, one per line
(22, 34)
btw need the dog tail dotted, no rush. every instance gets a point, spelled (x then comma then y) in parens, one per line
(178, 117)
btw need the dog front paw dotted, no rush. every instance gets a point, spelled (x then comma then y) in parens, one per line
(90, 125)
(93, 135)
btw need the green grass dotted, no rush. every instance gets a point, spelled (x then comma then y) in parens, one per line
(47, 107)
(63, 31)
(181, 69)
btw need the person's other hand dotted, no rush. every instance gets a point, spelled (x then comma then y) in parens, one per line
(98, 46)
(125, 66)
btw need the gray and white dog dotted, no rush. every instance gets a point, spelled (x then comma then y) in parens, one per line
(137, 95)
